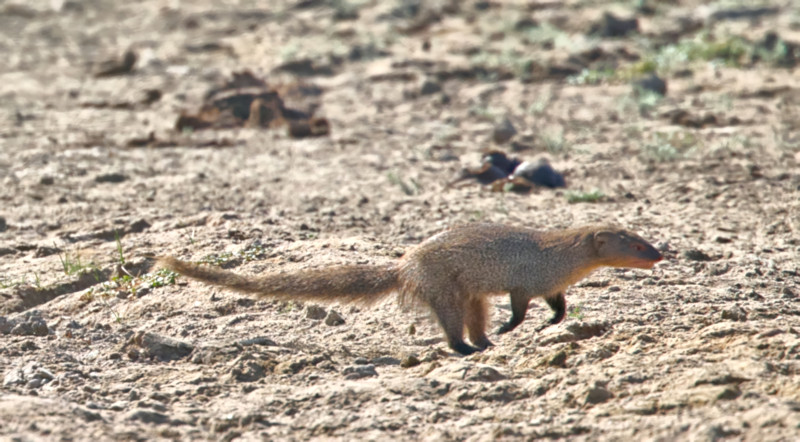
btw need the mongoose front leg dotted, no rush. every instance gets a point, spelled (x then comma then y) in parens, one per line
(476, 317)
(519, 306)
(558, 303)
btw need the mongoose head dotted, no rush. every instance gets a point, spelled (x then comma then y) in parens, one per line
(620, 248)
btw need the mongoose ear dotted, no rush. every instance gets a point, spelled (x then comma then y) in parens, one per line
(601, 238)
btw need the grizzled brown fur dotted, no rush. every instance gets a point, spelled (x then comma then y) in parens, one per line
(455, 272)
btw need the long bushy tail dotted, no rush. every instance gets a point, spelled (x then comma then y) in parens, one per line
(361, 284)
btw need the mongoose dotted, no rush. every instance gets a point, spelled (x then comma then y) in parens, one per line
(455, 272)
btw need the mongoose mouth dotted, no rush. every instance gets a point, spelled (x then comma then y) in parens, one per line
(645, 263)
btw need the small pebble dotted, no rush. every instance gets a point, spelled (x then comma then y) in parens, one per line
(334, 318)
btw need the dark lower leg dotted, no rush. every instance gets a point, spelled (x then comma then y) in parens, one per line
(450, 313)
(519, 306)
(558, 303)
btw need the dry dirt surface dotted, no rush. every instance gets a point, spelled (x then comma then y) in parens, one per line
(703, 160)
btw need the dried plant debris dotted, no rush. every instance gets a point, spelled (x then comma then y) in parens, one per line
(506, 173)
(247, 101)
(151, 140)
(683, 117)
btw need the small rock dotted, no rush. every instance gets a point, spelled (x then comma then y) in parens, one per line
(717, 269)
(730, 392)
(647, 339)
(43, 251)
(386, 360)
(28, 346)
(538, 172)
(117, 66)
(152, 405)
(46, 180)
(247, 371)
(586, 330)
(611, 26)
(412, 330)
(315, 312)
(503, 132)
(334, 318)
(295, 365)
(485, 374)
(138, 226)
(312, 127)
(32, 326)
(44, 373)
(3, 224)
(161, 397)
(146, 416)
(734, 313)
(724, 329)
(161, 347)
(110, 178)
(558, 360)
(359, 371)
(7, 251)
(409, 361)
(5, 325)
(786, 293)
(73, 324)
(467, 372)
(86, 414)
(259, 340)
(652, 83)
(696, 255)
(361, 361)
(14, 376)
(430, 87)
(719, 377)
(755, 296)
(597, 395)
(31, 374)
(770, 333)
(118, 406)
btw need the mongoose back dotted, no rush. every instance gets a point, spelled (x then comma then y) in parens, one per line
(454, 273)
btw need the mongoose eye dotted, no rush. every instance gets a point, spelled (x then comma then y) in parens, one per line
(638, 247)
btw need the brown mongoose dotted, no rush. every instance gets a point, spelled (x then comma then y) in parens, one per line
(455, 272)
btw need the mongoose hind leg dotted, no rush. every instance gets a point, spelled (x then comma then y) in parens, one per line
(558, 303)
(519, 306)
(476, 317)
(449, 311)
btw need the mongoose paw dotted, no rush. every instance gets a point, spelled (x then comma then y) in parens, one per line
(483, 344)
(464, 348)
(506, 327)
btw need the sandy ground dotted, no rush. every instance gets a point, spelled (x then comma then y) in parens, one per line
(94, 343)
